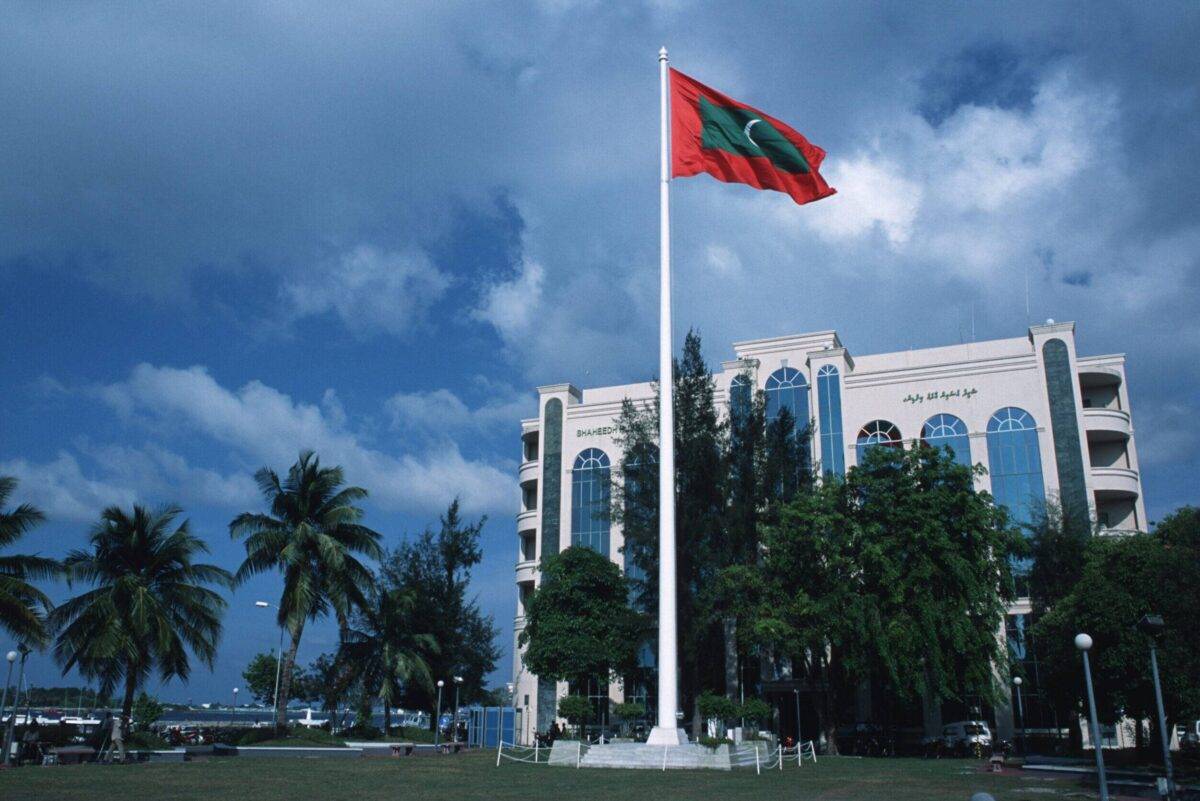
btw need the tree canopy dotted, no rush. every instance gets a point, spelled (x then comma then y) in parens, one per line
(579, 625)
(311, 536)
(23, 607)
(149, 604)
(434, 571)
(1122, 579)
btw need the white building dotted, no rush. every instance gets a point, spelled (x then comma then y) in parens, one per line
(1042, 420)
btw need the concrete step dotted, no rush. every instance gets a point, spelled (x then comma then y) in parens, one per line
(568, 753)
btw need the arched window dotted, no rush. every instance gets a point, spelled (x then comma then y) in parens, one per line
(589, 500)
(947, 431)
(739, 397)
(787, 389)
(1015, 464)
(877, 432)
(829, 411)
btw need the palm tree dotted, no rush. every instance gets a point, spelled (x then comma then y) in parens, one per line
(310, 536)
(383, 651)
(23, 607)
(148, 605)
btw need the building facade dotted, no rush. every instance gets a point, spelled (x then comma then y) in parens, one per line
(1044, 421)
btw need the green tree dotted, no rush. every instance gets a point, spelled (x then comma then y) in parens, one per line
(1124, 578)
(891, 575)
(23, 607)
(325, 681)
(146, 710)
(579, 626)
(148, 605)
(435, 571)
(259, 677)
(936, 568)
(810, 600)
(701, 437)
(311, 536)
(384, 650)
(576, 709)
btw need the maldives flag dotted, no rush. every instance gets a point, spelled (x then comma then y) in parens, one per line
(732, 142)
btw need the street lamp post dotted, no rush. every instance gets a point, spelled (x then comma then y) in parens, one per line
(233, 711)
(1020, 712)
(796, 691)
(1152, 626)
(1084, 643)
(10, 730)
(278, 660)
(512, 696)
(11, 657)
(458, 680)
(437, 718)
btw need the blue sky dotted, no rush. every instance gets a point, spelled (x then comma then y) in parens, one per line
(235, 230)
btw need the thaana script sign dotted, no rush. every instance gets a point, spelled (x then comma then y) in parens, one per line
(944, 394)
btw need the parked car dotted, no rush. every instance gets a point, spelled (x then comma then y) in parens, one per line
(967, 737)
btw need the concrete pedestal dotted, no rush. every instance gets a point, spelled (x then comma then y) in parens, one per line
(661, 735)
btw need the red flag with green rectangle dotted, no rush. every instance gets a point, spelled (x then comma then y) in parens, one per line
(736, 143)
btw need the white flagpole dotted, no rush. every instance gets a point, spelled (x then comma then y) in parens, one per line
(667, 730)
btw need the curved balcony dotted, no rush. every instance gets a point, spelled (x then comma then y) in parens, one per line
(527, 519)
(519, 622)
(1115, 482)
(1107, 424)
(530, 471)
(526, 570)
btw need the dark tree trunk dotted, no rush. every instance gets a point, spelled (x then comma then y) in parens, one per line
(285, 679)
(130, 689)
(731, 659)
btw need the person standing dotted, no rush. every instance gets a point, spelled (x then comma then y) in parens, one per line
(118, 738)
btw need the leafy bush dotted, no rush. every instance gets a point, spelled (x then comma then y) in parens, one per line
(756, 710)
(713, 742)
(574, 708)
(146, 710)
(146, 741)
(716, 706)
(363, 731)
(629, 711)
(296, 735)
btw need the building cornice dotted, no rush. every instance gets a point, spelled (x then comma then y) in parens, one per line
(556, 389)
(1051, 327)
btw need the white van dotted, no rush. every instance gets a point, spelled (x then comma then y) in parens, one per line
(967, 736)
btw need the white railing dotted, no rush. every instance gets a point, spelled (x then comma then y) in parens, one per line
(532, 754)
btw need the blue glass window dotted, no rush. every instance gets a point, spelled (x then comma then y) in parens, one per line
(876, 432)
(590, 490)
(787, 389)
(739, 397)
(947, 431)
(1015, 464)
(829, 409)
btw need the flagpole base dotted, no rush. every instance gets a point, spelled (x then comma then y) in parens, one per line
(661, 735)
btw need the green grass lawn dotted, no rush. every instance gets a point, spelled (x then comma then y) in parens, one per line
(473, 776)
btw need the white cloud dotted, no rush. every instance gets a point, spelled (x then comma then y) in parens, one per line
(724, 261)
(440, 413)
(871, 192)
(264, 426)
(67, 489)
(509, 306)
(61, 490)
(371, 290)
